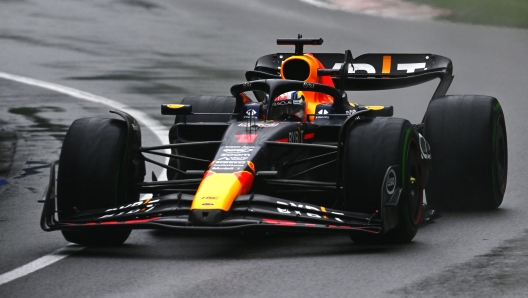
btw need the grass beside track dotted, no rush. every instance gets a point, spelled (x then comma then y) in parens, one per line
(510, 13)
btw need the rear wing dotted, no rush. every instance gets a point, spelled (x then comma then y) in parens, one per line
(370, 71)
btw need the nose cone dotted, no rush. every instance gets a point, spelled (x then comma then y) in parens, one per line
(216, 195)
(207, 217)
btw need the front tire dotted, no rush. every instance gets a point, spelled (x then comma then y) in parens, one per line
(92, 176)
(374, 145)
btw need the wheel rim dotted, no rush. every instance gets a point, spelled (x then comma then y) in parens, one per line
(415, 190)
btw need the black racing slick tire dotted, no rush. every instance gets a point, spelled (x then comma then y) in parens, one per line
(372, 146)
(91, 176)
(469, 150)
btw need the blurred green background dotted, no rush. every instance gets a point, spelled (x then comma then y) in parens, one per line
(510, 13)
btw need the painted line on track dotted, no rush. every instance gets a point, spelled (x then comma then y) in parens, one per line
(160, 131)
(40, 263)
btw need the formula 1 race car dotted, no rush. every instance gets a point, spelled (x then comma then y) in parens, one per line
(287, 152)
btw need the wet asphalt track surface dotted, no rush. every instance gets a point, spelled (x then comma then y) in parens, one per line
(145, 53)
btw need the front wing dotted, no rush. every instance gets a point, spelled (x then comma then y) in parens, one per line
(249, 212)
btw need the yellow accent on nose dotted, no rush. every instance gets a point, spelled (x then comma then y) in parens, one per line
(374, 108)
(174, 106)
(219, 190)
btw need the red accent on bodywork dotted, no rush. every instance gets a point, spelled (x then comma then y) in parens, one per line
(279, 222)
(251, 166)
(246, 179)
(245, 98)
(140, 220)
(113, 222)
(367, 229)
(246, 138)
(285, 140)
(309, 136)
(109, 223)
(207, 174)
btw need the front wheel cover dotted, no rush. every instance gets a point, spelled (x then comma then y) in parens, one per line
(411, 207)
(91, 176)
(374, 146)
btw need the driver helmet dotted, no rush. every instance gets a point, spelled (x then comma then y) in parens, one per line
(289, 105)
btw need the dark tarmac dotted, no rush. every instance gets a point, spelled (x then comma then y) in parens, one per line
(143, 53)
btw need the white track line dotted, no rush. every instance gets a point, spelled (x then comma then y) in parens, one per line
(39, 263)
(153, 125)
(160, 131)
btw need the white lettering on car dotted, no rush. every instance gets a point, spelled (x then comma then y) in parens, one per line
(357, 66)
(410, 67)
(281, 210)
(293, 137)
(147, 204)
(308, 207)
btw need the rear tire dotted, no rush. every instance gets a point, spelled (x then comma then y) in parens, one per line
(372, 147)
(90, 176)
(469, 150)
